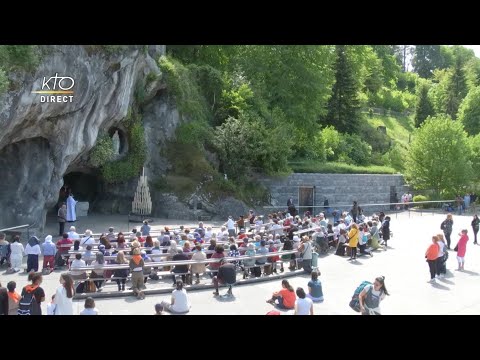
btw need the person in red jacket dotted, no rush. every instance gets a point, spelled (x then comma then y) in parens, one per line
(431, 255)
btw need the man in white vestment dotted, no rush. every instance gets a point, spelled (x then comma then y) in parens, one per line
(71, 215)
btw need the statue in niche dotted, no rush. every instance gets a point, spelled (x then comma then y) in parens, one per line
(116, 143)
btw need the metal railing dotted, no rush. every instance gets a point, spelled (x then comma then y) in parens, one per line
(26, 226)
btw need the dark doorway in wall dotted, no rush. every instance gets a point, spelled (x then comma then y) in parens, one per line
(305, 199)
(84, 187)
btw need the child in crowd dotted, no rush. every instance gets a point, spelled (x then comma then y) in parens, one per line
(89, 307)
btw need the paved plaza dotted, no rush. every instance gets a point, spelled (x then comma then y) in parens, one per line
(403, 265)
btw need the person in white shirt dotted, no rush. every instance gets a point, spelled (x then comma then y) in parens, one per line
(90, 308)
(208, 233)
(17, 252)
(88, 239)
(64, 296)
(33, 250)
(78, 262)
(179, 303)
(72, 234)
(231, 226)
(51, 306)
(303, 305)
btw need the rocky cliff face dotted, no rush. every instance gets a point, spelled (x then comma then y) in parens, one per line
(42, 141)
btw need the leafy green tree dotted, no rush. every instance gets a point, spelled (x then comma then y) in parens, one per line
(469, 112)
(390, 66)
(475, 158)
(343, 107)
(424, 106)
(427, 58)
(438, 158)
(456, 88)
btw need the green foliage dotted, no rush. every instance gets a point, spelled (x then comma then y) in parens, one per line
(395, 100)
(183, 86)
(456, 88)
(343, 107)
(246, 143)
(379, 142)
(395, 157)
(3, 82)
(469, 112)
(399, 128)
(427, 58)
(102, 152)
(235, 99)
(474, 142)
(438, 158)
(312, 166)
(105, 49)
(357, 150)
(407, 82)
(424, 106)
(417, 198)
(195, 133)
(129, 166)
(333, 142)
(19, 57)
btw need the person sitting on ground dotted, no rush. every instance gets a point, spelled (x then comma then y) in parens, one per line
(89, 307)
(179, 303)
(315, 292)
(198, 269)
(285, 297)
(4, 250)
(136, 267)
(227, 274)
(303, 305)
(158, 309)
(13, 298)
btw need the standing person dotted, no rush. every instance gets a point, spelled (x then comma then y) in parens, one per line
(303, 305)
(49, 251)
(13, 298)
(441, 257)
(231, 226)
(32, 296)
(3, 300)
(372, 295)
(315, 292)
(306, 251)
(33, 250)
(145, 229)
(71, 203)
(386, 231)
(431, 255)
(475, 226)
(179, 303)
(447, 226)
(64, 296)
(62, 218)
(462, 249)
(353, 236)
(89, 307)
(286, 296)
(137, 267)
(121, 274)
(354, 211)
(16, 255)
(226, 275)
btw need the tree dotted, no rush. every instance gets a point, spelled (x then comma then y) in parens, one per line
(456, 88)
(469, 112)
(343, 107)
(475, 147)
(424, 107)
(427, 58)
(439, 155)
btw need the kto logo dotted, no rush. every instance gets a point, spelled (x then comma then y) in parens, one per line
(56, 85)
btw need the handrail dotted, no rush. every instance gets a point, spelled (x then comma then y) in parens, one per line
(187, 262)
(363, 205)
(16, 227)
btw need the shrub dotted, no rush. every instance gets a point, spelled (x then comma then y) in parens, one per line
(421, 198)
(102, 152)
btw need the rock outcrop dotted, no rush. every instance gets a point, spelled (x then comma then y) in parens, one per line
(40, 142)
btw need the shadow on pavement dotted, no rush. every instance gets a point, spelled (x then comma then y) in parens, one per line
(440, 286)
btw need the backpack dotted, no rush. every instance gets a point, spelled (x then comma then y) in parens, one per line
(355, 302)
(25, 306)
